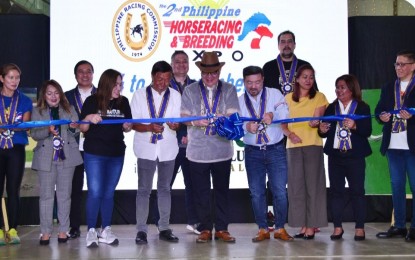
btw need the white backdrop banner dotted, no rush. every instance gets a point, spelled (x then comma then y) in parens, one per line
(130, 36)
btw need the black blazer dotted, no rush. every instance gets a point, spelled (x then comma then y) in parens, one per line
(359, 136)
(387, 103)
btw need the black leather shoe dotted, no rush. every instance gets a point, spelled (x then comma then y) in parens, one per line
(74, 233)
(410, 237)
(392, 232)
(167, 235)
(337, 237)
(141, 238)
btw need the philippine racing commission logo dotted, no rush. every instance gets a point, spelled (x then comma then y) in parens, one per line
(136, 30)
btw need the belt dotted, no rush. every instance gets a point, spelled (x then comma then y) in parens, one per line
(264, 147)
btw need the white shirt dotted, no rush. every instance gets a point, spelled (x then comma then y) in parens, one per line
(167, 148)
(83, 94)
(343, 111)
(275, 104)
(400, 140)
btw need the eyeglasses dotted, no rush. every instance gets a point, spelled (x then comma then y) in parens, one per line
(402, 64)
(213, 74)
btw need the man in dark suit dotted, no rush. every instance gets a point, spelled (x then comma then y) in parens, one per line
(84, 74)
(398, 141)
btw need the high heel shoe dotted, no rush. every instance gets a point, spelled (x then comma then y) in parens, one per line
(63, 240)
(308, 237)
(44, 242)
(299, 235)
(360, 238)
(337, 237)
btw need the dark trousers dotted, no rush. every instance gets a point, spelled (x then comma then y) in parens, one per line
(12, 163)
(201, 175)
(341, 167)
(183, 163)
(76, 195)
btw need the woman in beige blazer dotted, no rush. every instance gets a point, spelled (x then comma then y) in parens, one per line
(55, 157)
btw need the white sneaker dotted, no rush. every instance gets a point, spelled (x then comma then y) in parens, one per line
(92, 238)
(108, 237)
(193, 228)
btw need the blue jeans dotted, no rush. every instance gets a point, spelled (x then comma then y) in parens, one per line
(401, 163)
(259, 164)
(102, 176)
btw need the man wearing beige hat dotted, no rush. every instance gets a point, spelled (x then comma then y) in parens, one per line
(209, 154)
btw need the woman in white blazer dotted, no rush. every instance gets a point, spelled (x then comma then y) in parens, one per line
(55, 157)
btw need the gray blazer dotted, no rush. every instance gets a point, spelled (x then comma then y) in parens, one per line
(43, 152)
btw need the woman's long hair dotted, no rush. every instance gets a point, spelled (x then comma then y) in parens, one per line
(106, 83)
(41, 102)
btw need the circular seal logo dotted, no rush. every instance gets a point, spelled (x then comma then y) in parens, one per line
(136, 30)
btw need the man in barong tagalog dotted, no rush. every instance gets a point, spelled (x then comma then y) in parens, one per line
(210, 154)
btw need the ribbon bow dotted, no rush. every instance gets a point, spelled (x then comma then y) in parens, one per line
(231, 127)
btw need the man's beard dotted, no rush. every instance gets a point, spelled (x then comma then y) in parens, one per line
(287, 55)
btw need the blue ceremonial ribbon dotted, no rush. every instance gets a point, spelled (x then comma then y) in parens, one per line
(230, 128)
(33, 124)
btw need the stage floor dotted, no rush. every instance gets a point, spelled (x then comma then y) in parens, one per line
(319, 248)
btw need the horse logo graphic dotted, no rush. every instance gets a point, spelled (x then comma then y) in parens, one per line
(137, 29)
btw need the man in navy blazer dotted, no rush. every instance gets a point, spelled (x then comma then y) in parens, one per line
(84, 74)
(398, 142)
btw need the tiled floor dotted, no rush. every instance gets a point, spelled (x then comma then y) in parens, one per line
(319, 248)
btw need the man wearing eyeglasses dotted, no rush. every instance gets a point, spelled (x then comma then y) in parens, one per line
(265, 153)
(209, 154)
(280, 73)
(398, 141)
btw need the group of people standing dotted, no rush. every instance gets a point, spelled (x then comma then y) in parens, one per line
(287, 155)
